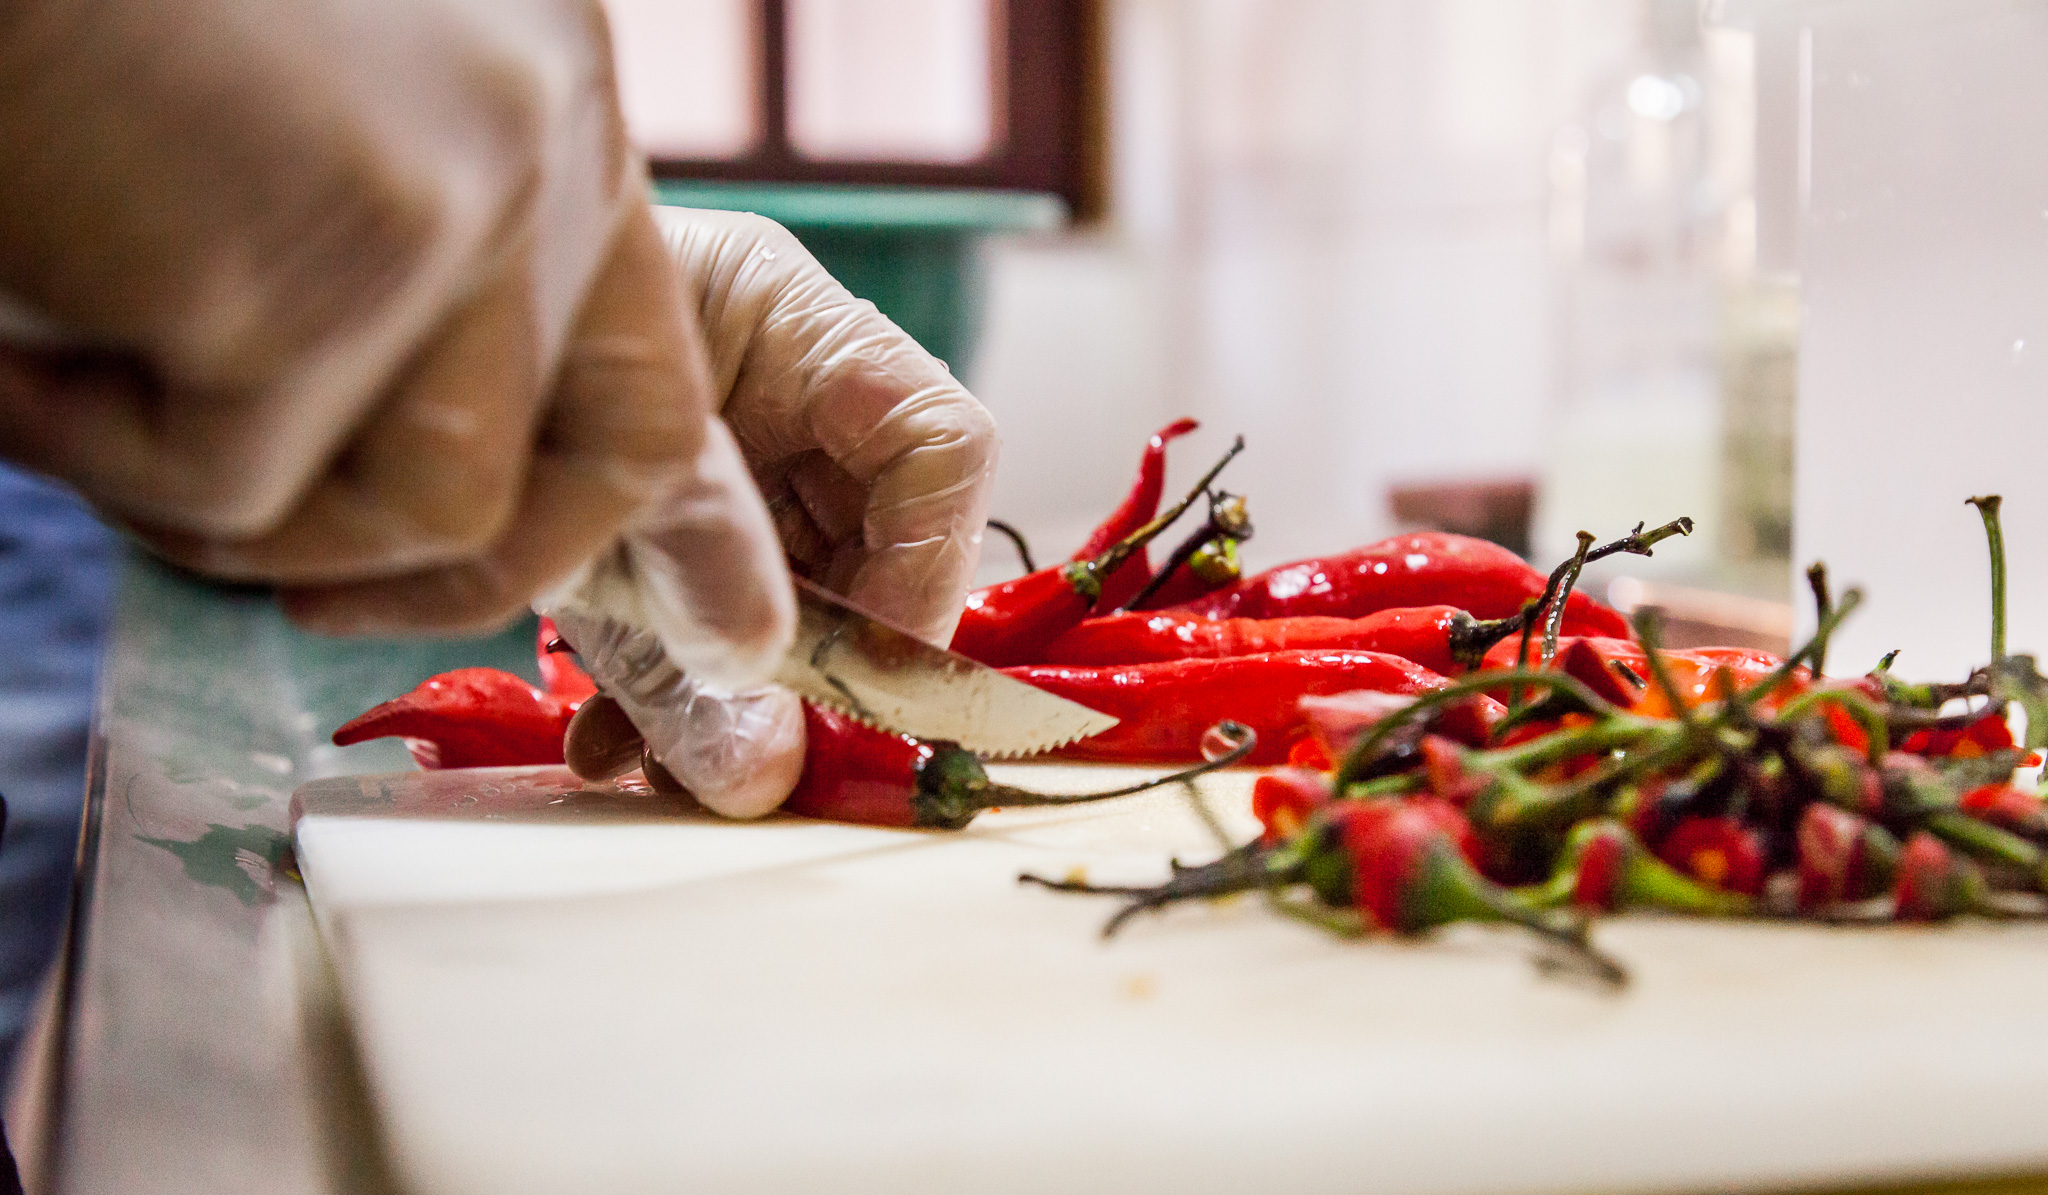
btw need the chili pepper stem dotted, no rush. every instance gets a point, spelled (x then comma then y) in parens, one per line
(988, 794)
(1994, 535)
(1086, 575)
(1553, 618)
(1367, 747)
(1823, 605)
(1017, 541)
(1242, 870)
(1783, 672)
(1228, 519)
(1985, 841)
(1470, 643)
(1649, 628)
(1448, 888)
(1866, 712)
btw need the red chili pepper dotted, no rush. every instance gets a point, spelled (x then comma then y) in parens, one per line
(1622, 662)
(469, 718)
(1444, 639)
(1443, 764)
(1309, 754)
(1717, 851)
(855, 773)
(2008, 808)
(1137, 510)
(1284, 799)
(1988, 733)
(1337, 720)
(1164, 708)
(1604, 867)
(1431, 568)
(1842, 857)
(1409, 873)
(1211, 566)
(1012, 623)
(559, 671)
(1935, 883)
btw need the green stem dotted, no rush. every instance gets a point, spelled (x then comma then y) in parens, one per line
(1228, 520)
(1553, 618)
(1823, 605)
(1367, 747)
(1449, 890)
(1649, 628)
(1783, 672)
(1017, 541)
(1985, 841)
(1636, 543)
(1987, 506)
(1619, 731)
(1243, 741)
(1564, 804)
(1859, 707)
(1087, 574)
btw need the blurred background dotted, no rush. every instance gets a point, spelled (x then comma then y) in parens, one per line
(1508, 267)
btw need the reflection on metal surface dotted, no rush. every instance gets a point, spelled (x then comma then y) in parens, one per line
(242, 860)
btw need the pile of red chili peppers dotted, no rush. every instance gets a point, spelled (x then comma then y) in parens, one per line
(1468, 737)
(1611, 774)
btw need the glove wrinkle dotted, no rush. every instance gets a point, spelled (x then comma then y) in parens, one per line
(739, 754)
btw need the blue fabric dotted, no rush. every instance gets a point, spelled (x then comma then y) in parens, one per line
(58, 567)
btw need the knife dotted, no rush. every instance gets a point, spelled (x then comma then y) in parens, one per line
(872, 670)
(868, 668)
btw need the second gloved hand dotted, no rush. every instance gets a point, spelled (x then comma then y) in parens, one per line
(874, 463)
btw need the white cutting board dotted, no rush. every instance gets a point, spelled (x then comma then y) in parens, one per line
(607, 994)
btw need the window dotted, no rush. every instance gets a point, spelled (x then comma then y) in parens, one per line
(971, 93)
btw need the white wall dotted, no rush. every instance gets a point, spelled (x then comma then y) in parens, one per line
(1330, 234)
(1924, 363)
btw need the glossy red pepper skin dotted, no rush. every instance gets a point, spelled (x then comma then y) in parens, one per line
(1137, 509)
(1014, 622)
(470, 718)
(855, 773)
(1421, 634)
(1164, 708)
(1426, 569)
(1692, 671)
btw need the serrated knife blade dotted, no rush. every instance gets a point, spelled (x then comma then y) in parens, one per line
(873, 670)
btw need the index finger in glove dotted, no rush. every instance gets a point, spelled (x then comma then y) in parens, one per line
(628, 420)
(738, 753)
(843, 417)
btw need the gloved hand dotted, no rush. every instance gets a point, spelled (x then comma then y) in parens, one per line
(357, 297)
(875, 463)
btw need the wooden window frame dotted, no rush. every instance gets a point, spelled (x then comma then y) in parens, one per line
(1048, 135)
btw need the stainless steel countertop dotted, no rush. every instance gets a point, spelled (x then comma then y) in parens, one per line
(188, 1010)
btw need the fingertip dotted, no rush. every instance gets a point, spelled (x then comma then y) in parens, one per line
(759, 764)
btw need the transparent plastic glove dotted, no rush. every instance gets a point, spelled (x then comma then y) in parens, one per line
(358, 297)
(875, 463)
(738, 754)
